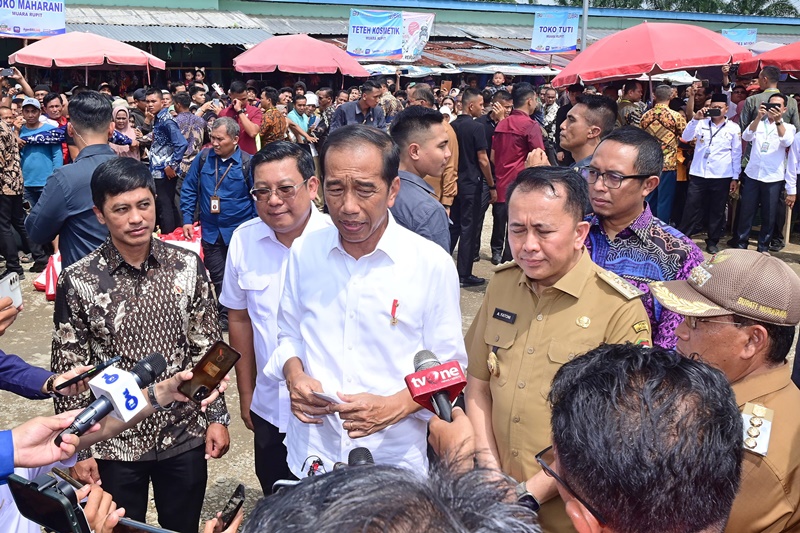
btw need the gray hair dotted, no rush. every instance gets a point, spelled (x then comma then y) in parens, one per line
(662, 93)
(230, 125)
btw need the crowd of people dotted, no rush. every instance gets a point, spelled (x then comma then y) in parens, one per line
(617, 379)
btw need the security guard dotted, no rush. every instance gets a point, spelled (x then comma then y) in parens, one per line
(546, 307)
(740, 310)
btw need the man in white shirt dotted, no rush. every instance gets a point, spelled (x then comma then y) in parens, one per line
(283, 186)
(360, 300)
(714, 172)
(765, 172)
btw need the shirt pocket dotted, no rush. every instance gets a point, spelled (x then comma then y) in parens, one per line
(499, 337)
(559, 353)
(256, 286)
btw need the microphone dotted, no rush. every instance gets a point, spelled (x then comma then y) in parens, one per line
(434, 385)
(359, 457)
(119, 392)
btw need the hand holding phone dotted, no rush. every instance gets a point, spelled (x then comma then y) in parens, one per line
(10, 286)
(210, 371)
(231, 508)
(89, 373)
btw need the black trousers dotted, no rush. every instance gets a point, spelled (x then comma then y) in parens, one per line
(485, 198)
(179, 487)
(706, 197)
(754, 194)
(270, 454)
(214, 256)
(465, 214)
(12, 217)
(167, 213)
(499, 240)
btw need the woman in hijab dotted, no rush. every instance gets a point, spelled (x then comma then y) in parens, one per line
(123, 125)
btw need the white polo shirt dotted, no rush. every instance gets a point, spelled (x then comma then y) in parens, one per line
(254, 273)
(718, 148)
(768, 152)
(336, 317)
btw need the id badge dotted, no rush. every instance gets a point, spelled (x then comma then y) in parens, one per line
(215, 205)
(706, 155)
(764, 147)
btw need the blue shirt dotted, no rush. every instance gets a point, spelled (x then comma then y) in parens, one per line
(65, 208)
(416, 210)
(236, 205)
(350, 113)
(6, 455)
(168, 146)
(300, 120)
(39, 160)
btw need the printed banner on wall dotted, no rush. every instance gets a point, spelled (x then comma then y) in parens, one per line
(27, 19)
(375, 34)
(743, 37)
(555, 33)
(416, 31)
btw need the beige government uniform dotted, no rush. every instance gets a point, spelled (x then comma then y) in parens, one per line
(769, 494)
(532, 336)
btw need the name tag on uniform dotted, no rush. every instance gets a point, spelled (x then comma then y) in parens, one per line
(215, 205)
(505, 316)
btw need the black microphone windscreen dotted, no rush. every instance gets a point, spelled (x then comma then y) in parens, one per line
(424, 360)
(359, 457)
(149, 368)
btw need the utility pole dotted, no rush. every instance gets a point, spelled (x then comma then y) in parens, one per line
(584, 24)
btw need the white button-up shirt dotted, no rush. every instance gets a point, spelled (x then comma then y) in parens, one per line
(793, 166)
(336, 317)
(254, 275)
(718, 150)
(768, 165)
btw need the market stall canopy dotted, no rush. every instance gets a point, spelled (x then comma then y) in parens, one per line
(786, 58)
(651, 48)
(299, 54)
(78, 49)
(511, 70)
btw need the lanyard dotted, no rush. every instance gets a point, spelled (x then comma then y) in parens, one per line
(714, 134)
(766, 129)
(216, 174)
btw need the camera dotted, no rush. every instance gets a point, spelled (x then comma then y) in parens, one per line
(48, 502)
(712, 112)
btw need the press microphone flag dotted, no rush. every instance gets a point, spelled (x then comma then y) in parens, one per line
(435, 385)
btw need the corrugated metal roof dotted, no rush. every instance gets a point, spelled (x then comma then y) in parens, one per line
(139, 16)
(309, 25)
(174, 34)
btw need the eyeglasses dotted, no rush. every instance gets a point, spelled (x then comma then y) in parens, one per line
(692, 321)
(611, 180)
(286, 192)
(550, 472)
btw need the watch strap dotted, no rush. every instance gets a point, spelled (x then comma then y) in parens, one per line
(151, 396)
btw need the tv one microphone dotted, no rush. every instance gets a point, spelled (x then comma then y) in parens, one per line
(119, 392)
(434, 385)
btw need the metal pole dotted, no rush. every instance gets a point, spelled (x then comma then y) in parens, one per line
(584, 24)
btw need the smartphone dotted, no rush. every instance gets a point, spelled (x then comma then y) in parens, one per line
(89, 373)
(231, 508)
(217, 89)
(48, 502)
(66, 477)
(211, 369)
(771, 105)
(7, 72)
(216, 102)
(10, 286)
(713, 112)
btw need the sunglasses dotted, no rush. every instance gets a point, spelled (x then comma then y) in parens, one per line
(550, 472)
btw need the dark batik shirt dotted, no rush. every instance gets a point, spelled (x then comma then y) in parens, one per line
(11, 181)
(106, 308)
(648, 250)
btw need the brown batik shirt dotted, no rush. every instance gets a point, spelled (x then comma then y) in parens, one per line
(10, 170)
(106, 308)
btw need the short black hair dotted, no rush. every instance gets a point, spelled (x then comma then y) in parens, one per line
(630, 85)
(651, 439)
(286, 90)
(779, 95)
(353, 135)
(174, 86)
(382, 81)
(271, 93)
(49, 97)
(299, 97)
(90, 111)
(502, 96)
(575, 88)
(411, 122)
(196, 89)
(383, 498)
(368, 86)
(280, 150)
(299, 84)
(152, 90)
(182, 99)
(327, 91)
(602, 111)
(520, 93)
(119, 175)
(650, 157)
(340, 91)
(546, 178)
(468, 95)
(771, 74)
(425, 94)
(237, 87)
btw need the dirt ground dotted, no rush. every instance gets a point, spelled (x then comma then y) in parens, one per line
(29, 338)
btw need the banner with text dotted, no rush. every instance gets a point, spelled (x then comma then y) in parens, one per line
(417, 28)
(375, 34)
(26, 19)
(555, 33)
(743, 37)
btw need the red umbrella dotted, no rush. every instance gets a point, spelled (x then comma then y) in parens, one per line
(76, 49)
(651, 48)
(300, 54)
(786, 58)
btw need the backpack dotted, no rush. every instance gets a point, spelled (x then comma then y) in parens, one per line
(248, 178)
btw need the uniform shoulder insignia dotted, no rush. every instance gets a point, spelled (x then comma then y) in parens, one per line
(757, 420)
(505, 266)
(620, 285)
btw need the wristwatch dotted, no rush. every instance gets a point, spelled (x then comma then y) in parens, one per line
(493, 188)
(242, 111)
(49, 386)
(525, 498)
(778, 122)
(151, 396)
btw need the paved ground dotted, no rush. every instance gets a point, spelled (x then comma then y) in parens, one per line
(29, 337)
